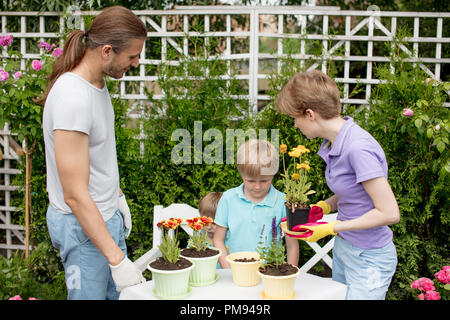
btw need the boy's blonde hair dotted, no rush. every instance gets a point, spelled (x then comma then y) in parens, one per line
(256, 158)
(310, 90)
(207, 205)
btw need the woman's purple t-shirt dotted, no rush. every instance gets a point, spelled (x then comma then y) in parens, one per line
(355, 157)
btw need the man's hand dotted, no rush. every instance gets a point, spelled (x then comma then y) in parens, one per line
(126, 274)
(125, 210)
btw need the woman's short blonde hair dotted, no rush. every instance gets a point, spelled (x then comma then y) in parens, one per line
(207, 205)
(310, 90)
(257, 158)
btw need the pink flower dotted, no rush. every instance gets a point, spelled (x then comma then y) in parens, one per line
(32, 298)
(4, 76)
(423, 284)
(426, 284)
(17, 75)
(407, 112)
(36, 65)
(432, 295)
(438, 127)
(43, 44)
(443, 275)
(6, 40)
(57, 52)
(415, 284)
(16, 298)
(421, 296)
(428, 80)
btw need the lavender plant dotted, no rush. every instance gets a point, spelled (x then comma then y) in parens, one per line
(273, 254)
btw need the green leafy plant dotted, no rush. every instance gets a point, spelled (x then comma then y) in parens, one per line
(40, 275)
(273, 254)
(170, 246)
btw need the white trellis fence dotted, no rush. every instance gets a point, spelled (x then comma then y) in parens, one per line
(253, 38)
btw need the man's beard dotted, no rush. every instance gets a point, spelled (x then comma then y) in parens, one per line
(113, 72)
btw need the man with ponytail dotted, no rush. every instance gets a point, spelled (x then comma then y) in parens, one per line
(83, 218)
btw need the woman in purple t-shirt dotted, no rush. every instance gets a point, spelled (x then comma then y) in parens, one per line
(364, 256)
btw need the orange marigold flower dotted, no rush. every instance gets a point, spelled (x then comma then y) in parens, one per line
(283, 148)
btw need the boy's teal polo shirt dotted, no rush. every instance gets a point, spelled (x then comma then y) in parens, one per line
(245, 220)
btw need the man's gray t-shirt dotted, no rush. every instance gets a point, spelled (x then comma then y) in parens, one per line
(76, 105)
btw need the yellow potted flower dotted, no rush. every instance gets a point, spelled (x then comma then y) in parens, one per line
(295, 185)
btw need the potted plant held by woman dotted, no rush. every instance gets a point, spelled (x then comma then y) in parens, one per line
(278, 276)
(297, 188)
(170, 273)
(200, 253)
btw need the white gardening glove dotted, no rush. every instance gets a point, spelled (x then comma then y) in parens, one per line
(125, 210)
(126, 274)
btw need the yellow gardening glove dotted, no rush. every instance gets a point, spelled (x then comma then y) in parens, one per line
(319, 231)
(325, 206)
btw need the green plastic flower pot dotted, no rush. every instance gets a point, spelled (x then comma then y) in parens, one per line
(204, 272)
(171, 284)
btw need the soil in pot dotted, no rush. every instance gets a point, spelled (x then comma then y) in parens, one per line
(246, 260)
(284, 269)
(193, 253)
(162, 264)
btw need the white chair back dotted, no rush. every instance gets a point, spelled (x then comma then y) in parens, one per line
(175, 210)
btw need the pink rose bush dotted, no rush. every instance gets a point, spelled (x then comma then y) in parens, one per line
(20, 298)
(407, 112)
(36, 65)
(6, 41)
(427, 287)
(22, 85)
(444, 275)
(4, 76)
(56, 51)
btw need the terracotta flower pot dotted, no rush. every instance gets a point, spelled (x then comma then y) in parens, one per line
(278, 287)
(245, 274)
(204, 271)
(299, 216)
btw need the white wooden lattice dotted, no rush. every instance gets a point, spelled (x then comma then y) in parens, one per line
(12, 236)
(264, 22)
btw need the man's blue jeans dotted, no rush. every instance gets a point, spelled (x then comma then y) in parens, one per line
(87, 272)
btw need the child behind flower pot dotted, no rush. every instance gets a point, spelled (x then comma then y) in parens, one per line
(243, 211)
(207, 207)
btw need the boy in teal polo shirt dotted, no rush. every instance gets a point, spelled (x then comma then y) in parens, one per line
(246, 211)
